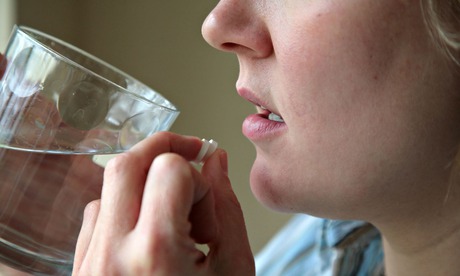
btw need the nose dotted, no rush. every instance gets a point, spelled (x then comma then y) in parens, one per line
(238, 26)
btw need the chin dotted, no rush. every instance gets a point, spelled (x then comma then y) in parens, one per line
(271, 191)
(281, 193)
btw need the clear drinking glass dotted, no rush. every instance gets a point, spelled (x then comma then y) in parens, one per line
(61, 111)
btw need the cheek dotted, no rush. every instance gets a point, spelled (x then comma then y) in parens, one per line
(322, 77)
(334, 87)
(332, 56)
(355, 108)
(343, 135)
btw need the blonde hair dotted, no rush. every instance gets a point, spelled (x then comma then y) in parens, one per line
(443, 20)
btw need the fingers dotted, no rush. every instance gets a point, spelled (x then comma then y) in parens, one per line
(163, 142)
(155, 205)
(126, 174)
(123, 188)
(233, 244)
(89, 221)
(160, 242)
(173, 189)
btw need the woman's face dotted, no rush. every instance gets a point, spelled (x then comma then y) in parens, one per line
(367, 102)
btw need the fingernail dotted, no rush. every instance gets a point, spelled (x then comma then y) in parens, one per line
(224, 161)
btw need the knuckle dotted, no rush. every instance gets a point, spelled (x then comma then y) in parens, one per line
(161, 138)
(163, 135)
(120, 163)
(92, 208)
(171, 163)
(141, 258)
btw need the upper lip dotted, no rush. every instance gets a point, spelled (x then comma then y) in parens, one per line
(262, 106)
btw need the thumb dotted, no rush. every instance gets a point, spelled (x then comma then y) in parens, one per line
(230, 251)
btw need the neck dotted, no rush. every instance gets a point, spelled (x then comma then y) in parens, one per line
(425, 243)
(438, 258)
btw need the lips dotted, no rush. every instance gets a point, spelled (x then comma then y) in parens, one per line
(264, 125)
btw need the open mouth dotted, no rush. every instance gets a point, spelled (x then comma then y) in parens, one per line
(275, 117)
(270, 115)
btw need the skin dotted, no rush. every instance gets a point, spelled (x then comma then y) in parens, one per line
(370, 111)
(155, 207)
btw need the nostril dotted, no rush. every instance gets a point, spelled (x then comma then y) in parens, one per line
(229, 46)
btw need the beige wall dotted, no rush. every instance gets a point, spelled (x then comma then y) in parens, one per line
(7, 19)
(160, 43)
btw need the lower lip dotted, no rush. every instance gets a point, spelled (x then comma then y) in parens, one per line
(257, 127)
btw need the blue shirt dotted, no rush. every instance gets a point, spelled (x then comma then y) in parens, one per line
(320, 247)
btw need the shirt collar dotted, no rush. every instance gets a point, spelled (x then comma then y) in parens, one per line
(335, 231)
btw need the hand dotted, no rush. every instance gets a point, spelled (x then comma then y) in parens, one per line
(155, 206)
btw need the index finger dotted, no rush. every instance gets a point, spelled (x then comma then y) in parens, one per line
(126, 175)
(164, 142)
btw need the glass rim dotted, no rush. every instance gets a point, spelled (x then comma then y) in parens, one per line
(27, 31)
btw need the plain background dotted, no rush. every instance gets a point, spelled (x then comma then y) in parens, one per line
(160, 43)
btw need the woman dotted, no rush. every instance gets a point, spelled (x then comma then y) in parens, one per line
(358, 110)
